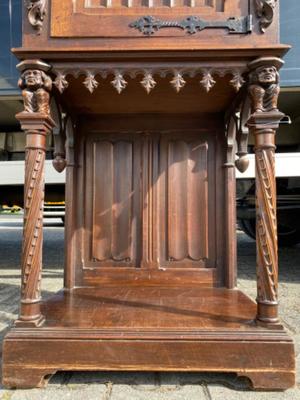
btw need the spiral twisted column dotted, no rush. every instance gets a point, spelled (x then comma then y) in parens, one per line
(36, 127)
(263, 126)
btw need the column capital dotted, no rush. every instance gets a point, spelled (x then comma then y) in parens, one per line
(35, 121)
(264, 120)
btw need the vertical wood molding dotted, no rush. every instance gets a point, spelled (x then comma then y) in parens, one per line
(37, 123)
(265, 119)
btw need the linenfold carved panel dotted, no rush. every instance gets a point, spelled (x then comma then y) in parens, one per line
(113, 213)
(150, 204)
(187, 201)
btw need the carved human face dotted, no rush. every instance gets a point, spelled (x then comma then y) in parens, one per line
(267, 75)
(33, 78)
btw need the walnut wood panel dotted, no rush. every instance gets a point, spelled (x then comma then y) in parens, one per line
(112, 200)
(155, 183)
(113, 165)
(112, 18)
(150, 329)
(186, 201)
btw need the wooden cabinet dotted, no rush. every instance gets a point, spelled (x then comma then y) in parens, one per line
(116, 18)
(150, 103)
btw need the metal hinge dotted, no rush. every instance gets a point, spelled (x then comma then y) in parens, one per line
(148, 25)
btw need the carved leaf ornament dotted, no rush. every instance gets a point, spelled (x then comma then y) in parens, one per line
(148, 82)
(36, 13)
(265, 12)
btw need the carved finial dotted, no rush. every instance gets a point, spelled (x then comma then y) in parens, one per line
(237, 81)
(59, 162)
(264, 84)
(36, 13)
(119, 82)
(148, 82)
(35, 85)
(207, 81)
(90, 82)
(178, 82)
(265, 12)
(60, 82)
(242, 163)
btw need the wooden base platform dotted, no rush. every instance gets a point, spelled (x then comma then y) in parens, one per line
(149, 329)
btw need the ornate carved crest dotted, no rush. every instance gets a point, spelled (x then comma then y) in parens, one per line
(36, 13)
(265, 12)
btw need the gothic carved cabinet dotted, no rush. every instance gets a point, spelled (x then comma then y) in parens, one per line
(150, 103)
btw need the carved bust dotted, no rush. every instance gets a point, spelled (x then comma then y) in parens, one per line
(264, 88)
(36, 85)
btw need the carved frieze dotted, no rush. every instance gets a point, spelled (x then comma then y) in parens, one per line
(36, 13)
(93, 73)
(265, 10)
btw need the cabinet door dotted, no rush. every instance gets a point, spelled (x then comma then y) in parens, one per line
(186, 206)
(114, 18)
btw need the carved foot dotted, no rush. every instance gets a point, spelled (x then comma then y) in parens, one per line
(264, 380)
(25, 378)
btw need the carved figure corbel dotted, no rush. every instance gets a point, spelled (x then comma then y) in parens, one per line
(36, 86)
(36, 13)
(264, 84)
(265, 12)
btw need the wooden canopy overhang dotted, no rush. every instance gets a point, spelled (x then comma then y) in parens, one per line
(150, 116)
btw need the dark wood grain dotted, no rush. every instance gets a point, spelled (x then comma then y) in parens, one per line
(148, 135)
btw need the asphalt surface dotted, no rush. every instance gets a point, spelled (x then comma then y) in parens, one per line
(140, 386)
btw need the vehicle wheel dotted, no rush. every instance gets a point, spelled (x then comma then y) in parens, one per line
(288, 233)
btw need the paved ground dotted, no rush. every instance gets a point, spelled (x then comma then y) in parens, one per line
(140, 386)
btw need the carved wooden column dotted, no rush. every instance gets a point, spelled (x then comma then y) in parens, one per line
(36, 122)
(265, 119)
